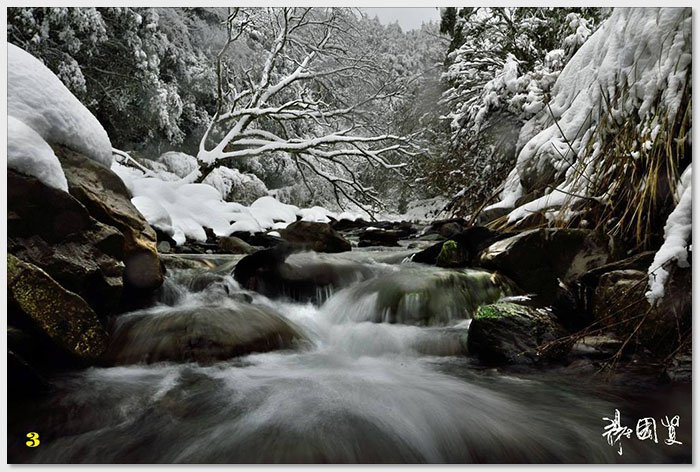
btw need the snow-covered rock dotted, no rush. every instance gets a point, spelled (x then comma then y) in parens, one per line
(268, 211)
(38, 98)
(28, 153)
(235, 186)
(316, 214)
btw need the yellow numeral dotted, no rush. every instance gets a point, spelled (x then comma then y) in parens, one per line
(34, 440)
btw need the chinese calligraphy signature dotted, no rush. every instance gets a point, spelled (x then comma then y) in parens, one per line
(614, 431)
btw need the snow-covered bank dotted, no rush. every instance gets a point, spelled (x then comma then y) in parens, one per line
(641, 54)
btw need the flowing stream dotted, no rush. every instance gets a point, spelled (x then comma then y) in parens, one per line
(375, 371)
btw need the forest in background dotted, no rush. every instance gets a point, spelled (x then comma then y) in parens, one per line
(461, 90)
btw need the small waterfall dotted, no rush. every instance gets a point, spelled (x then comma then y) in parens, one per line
(378, 374)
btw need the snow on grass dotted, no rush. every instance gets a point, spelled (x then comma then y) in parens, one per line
(36, 97)
(645, 51)
(28, 153)
(676, 240)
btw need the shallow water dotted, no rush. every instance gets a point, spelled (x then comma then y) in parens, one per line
(357, 391)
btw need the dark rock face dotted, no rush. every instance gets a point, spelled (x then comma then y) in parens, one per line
(268, 272)
(52, 230)
(619, 303)
(379, 237)
(507, 333)
(202, 334)
(319, 237)
(447, 228)
(65, 318)
(107, 200)
(537, 259)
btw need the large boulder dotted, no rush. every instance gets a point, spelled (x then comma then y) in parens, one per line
(52, 230)
(107, 199)
(537, 260)
(508, 333)
(65, 318)
(319, 237)
(202, 334)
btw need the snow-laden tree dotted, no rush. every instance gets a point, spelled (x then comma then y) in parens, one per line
(311, 98)
(499, 72)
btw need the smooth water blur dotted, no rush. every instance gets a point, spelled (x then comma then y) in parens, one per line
(358, 392)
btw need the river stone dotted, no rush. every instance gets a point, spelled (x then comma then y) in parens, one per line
(537, 259)
(508, 333)
(319, 237)
(52, 230)
(199, 333)
(234, 245)
(379, 237)
(60, 314)
(107, 199)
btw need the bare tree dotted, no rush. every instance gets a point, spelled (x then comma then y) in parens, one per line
(298, 101)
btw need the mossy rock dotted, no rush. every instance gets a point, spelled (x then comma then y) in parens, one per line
(508, 333)
(451, 255)
(60, 314)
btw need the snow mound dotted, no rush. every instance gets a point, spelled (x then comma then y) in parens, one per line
(676, 240)
(646, 51)
(183, 209)
(28, 153)
(316, 214)
(154, 213)
(39, 99)
(268, 211)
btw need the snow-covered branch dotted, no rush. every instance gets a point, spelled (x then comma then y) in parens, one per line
(308, 63)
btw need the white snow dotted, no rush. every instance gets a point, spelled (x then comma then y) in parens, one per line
(155, 213)
(182, 209)
(317, 214)
(676, 240)
(644, 49)
(28, 153)
(38, 98)
(268, 211)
